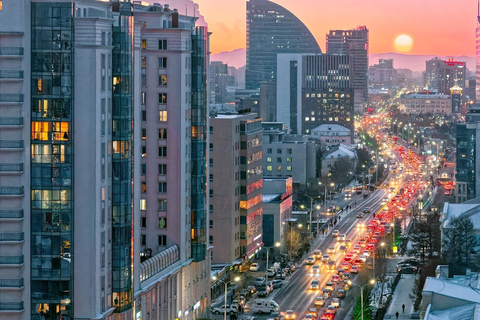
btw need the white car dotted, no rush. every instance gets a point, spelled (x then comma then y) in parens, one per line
(316, 270)
(335, 233)
(290, 315)
(254, 267)
(310, 260)
(231, 309)
(342, 237)
(319, 301)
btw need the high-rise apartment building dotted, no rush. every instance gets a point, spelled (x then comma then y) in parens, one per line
(272, 29)
(353, 42)
(314, 90)
(441, 75)
(71, 160)
(235, 186)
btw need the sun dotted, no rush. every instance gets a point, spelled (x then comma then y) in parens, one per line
(403, 43)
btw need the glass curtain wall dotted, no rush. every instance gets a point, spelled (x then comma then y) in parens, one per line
(52, 161)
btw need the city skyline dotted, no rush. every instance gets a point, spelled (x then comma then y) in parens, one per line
(430, 32)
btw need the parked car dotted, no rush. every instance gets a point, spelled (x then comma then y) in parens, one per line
(254, 267)
(231, 309)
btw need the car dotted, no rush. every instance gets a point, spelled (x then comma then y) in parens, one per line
(259, 281)
(325, 258)
(329, 285)
(355, 269)
(290, 315)
(335, 278)
(335, 302)
(309, 317)
(335, 233)
(347, 275)
(407, 268)
(231, 309)
(331, 250)
(331, 309)
(340, 272)
(360, 215)
(280, 275)
(314, 285)
(342, 237)
(263, 293)
(343, 248)
(316, 270)
(348, 243)
(317, 254)
(331, 265)
(254, 267)
(277, 283)
(326, 292)
(319, 301)
(341, 293)
(313, 312)
(310, 260)
(366, 210)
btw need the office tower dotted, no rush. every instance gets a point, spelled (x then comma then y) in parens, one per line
(268, 101)
(382, 74)
(174, 273)
(272, 29)
(73, 112)
(314, 90)
(220, 80)
(235, 186)
(441, 75)
(467, 161)
(425, 102)
(353, 42)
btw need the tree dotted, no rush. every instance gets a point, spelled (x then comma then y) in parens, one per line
(425, 236)
(459, 242)
(339, 172)
(293, 242)
(364, 158)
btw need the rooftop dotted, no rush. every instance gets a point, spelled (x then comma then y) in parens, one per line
(448, 288)
(331, 127)
(425, 96)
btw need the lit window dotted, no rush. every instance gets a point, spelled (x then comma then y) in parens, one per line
(144, 44)
(162, 81)
(162, 98)
(269, 159)
(279, 168)
(269, 168)
(143, 204)
(162, 115)
(289, 168)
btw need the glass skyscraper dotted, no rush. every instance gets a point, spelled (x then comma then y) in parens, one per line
(272, 29)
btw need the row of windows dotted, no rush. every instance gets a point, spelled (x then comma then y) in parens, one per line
(162, 169)
(162, 222)
(162, 204)
(325, 95)
(162, 187)
(162, 44)
(162, 133)
(279, 168)
(162, 240)
(279, 150)
(279, 160)
(162, 62)
(162, 96)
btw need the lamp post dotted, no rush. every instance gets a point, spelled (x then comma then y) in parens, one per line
(236, 279)
(311, 211)
(277, 244)
(350, 283)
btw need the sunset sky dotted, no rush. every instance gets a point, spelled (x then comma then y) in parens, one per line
(440, 27)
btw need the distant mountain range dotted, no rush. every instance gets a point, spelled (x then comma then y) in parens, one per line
(237, 58)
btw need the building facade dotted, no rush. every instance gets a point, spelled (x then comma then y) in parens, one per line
(382, 75)
(441, 75)
(272, 29)
(416, 103)
(235, 186)
(353, 42)
(331, 134)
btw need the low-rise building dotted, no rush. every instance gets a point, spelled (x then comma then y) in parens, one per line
(335, 154)
(416, 103)
(332, 134)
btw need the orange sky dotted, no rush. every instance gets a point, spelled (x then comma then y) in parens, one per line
(440, 27)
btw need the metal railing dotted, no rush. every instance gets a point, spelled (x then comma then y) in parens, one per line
(11, 167)
(11, 121)
(11, 191)
(11, 283)
(11, 97)
(11, 74)
(11, 144)
(14, 306)
(11, 236)
(11, 260)
(12, 214)
(11, 51)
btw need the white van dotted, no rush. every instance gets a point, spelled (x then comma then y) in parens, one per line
(265, 306)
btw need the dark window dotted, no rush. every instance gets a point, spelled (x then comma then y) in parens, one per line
(144, 133)
(144, 168)
(143, 221)
(162, 133)
(162, 151)
(162, 187)
(162, 240)
(143, 240)
(162, 44)
(144, 115)
(162, 62)
(211, 223)
(162, 98)
(162, 169)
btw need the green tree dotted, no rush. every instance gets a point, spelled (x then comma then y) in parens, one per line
(459, 242)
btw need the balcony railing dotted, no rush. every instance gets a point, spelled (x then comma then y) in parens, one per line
(11, 306)
(11, 74)
(11, 214)
(11, 97)
(11, 191)
(11, 167)
(11, 260)
(11, 236)
(11, 144)
(11, 51)
(11, 121)
(14, 283)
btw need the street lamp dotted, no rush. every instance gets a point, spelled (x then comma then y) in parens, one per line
(236, 279)
(277, 244)
(350, 283)
(311, 210)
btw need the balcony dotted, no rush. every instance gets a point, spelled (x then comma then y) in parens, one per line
(11, 144)
(11, 75)
(11, 261)
(11, 52)
(11, 121)
(11, 191)
(11, 168)
(11, 98)
(11, 307)
(11, 237)
(11, 283)
(11, 214)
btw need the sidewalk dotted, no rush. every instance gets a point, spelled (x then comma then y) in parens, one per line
(402, 296)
